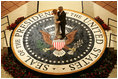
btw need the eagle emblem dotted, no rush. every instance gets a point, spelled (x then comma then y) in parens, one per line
(70, 38)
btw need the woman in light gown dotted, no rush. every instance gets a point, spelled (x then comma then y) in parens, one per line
(57, 28)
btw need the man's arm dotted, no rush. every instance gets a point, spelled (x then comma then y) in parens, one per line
(63, 16)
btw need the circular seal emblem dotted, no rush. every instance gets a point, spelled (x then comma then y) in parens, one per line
(34, 45)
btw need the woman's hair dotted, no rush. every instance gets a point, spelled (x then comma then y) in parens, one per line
(54, 11)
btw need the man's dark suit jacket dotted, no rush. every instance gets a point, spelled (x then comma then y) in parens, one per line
(62, 17)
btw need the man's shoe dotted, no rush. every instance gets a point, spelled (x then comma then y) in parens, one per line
(61, 38)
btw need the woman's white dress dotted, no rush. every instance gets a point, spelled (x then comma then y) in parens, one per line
(57, 28)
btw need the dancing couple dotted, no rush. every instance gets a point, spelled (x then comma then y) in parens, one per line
(60, 22)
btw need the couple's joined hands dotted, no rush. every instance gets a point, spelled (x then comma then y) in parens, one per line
(57, 22)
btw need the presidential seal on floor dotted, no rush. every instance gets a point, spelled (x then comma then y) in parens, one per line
(34, 45)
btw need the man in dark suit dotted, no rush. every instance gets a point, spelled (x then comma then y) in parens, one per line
(62, 21)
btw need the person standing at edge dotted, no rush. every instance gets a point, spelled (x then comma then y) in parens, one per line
(62, 20)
